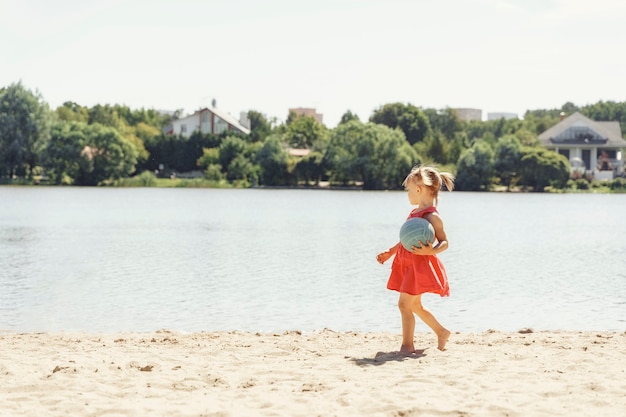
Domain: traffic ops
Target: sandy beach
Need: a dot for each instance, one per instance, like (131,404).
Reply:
(324,373)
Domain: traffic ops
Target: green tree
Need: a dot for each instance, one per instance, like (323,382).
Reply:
(507,159)
(539,123)
(241,169)
(105,156)
(348,116)
(106,115)
(375,154)
(492,130)
(291,117)
(188,150)
(177,152)
(272,159)
(342,151)
(304,132)
(145,131)
(72,112)
(130,134)
(607,111)
(213,172)
(62,154)
(130,124)
(569,108)
(230,148)
(137,126)
(527,138)
(407,117)
(393,159)
(25,121)
(260,128)
(161,149)
(210,156)
(310,167)
(133,117)
(445,121)
(435,147)
(542,167)
(458,145)
(476,130)
(475,168)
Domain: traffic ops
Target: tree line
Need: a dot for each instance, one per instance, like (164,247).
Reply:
(111,144)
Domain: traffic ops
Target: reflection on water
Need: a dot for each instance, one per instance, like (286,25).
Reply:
(95,259)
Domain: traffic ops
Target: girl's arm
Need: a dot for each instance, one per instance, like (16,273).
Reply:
(383,256)
(440,236)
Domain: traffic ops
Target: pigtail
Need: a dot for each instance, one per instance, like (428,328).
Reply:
(448,180)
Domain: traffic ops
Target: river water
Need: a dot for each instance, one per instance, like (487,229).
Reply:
(143,259)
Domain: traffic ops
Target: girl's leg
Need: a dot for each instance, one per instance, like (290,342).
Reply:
(427,317)
(405,304)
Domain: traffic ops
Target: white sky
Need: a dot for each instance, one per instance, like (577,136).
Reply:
(334,55)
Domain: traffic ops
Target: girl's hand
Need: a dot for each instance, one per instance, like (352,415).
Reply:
(426,249)
(383,257)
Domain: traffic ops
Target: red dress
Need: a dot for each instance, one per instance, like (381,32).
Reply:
(417,274)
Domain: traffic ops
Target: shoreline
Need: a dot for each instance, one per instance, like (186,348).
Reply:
(324,372)
(166,183)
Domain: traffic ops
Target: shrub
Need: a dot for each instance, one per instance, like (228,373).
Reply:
(581,184)
(146,179)
(618,184)
(214,172)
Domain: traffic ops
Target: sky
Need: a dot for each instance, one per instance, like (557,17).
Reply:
(331,55)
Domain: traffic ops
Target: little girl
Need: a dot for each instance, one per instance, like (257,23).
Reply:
(419,271)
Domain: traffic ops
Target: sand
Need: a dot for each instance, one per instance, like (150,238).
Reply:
(324,373)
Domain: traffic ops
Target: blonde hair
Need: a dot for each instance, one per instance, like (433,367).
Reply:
(431,178)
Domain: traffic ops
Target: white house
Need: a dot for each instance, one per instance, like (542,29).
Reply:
(207,120)
(595,147)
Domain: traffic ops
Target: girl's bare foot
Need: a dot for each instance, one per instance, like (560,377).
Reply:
(442,339)
(408,350)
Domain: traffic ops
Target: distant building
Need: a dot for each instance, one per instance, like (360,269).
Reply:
(594,147)
(207,120)
(301,111)
(501,115)
(469,114)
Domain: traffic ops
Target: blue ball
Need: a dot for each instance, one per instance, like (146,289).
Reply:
(415,230)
